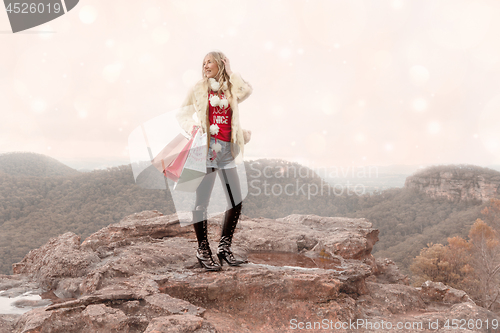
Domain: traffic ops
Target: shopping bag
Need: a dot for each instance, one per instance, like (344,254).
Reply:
(195,165)
(174,169)
(169,153)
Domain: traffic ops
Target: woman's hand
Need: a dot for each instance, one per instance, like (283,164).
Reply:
(227,65)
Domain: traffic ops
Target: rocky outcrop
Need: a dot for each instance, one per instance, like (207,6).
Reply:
(140,275)
(457,182)
(60,258)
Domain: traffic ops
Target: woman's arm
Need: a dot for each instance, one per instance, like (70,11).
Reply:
(241,89)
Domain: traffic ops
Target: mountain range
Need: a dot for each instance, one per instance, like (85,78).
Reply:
(41,198)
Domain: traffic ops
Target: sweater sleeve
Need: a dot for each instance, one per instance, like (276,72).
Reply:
(185,113)
(241,89)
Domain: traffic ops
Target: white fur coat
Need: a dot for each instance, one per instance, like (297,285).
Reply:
(197,103)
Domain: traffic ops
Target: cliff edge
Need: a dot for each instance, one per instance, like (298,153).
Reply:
(457,182)
(305,272)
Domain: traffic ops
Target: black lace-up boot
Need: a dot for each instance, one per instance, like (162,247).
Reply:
(203,254)
(224,252)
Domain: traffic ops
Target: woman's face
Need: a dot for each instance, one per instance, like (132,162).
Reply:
(210,66)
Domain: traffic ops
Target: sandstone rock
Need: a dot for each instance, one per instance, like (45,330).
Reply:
(16,285)
(339,237)
(457,182)
(180,324)
(7,323)
(102,319)
(39,320)
(395,298)
(139,258)
(60,258)
(163,304)
(111,310)
(439,292)
(68,288)
(153,224)
(11,281)
(386,271)
(141,275)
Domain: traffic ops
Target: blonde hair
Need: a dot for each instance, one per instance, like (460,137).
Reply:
(222,74)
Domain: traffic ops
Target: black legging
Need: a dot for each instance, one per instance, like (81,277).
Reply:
(230,183)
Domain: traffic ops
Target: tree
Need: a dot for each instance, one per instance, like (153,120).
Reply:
(491,214)
(448,264)
(485,249)
(471,265)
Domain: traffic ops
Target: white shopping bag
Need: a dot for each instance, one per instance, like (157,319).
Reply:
(196,165)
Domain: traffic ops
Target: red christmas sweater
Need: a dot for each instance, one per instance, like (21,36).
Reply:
(221,117)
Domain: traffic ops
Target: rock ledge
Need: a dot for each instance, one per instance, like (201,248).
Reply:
(140,275)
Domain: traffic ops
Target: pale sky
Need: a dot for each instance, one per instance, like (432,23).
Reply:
(335,82)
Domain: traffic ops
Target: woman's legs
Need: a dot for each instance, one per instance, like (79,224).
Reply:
(203,192)
(231,184)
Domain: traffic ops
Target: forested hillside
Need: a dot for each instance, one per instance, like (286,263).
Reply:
(32,164)
(408,220)
(34,208)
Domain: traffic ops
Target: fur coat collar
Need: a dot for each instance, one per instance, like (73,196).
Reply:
(196,103)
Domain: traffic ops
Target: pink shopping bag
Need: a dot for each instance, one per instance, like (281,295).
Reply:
(173,170)
(168,154)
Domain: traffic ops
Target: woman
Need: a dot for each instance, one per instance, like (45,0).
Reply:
(214,100)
